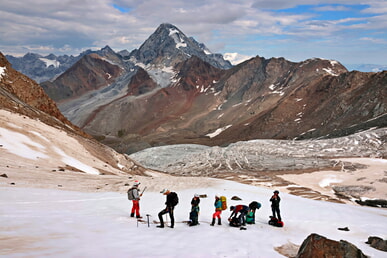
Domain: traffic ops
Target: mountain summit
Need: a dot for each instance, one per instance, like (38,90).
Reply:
(168,46)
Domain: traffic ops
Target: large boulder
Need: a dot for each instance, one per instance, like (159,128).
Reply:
(317,246)
(377,243)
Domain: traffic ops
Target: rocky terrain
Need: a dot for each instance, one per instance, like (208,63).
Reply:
(339,169)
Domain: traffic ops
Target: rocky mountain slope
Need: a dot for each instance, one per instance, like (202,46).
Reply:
(34,134)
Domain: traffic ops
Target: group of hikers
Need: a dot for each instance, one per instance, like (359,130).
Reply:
(240,214)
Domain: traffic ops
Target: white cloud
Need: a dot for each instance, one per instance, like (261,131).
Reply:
(236,58)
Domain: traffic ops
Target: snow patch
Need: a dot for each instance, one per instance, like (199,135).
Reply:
(328,180)
(76,163)
(330,71)
(2,71)
(21,145)
(218,131)
(49,62)
(173,33)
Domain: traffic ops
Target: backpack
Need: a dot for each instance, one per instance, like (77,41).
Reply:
(235,222)
(275,222)
(250,218)
(223,199)
(130,194)
(174,199)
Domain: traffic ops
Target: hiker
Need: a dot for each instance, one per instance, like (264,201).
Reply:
(250,216)
(275,200)
(172,201)
(242,211)
(194,214)
(218,211)
(134,195)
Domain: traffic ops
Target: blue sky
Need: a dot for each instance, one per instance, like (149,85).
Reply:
(354,33)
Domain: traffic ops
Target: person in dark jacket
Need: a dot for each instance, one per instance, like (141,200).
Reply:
(250,217)
(275,201)
(194,214)
(240,210)
(170,206)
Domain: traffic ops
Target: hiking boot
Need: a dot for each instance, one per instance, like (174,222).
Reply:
(139,217)
(160,226)
(132,215)
(219,222)
(213,222)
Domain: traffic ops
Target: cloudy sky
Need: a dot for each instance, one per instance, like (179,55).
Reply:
(352,32)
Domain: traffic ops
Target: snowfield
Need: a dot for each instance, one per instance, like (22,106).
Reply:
(43,222)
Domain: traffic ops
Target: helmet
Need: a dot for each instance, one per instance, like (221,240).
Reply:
(232,208)
(136,183)
(276,191)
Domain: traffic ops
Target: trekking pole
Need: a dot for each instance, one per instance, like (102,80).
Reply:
(147,217)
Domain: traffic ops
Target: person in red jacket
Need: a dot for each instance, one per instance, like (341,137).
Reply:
(242,211)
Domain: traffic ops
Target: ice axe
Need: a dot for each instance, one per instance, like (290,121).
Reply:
(143,191)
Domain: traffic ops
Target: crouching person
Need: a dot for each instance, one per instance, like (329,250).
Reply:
(239,212)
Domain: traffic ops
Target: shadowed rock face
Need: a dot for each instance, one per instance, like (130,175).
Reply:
(317,246)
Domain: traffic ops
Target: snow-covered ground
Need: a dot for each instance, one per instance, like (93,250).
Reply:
(45,222)
(41,217)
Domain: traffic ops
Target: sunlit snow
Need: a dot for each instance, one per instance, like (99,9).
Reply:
(218,131)
(2,71)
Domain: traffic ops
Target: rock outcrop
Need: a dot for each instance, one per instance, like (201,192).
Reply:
(317,246)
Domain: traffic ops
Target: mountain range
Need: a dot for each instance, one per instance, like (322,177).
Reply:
(172,90)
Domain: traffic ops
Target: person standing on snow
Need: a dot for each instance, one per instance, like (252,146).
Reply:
(135,192)
(275,201)
(172,201)
(194,214)
(242,211)
(218,211)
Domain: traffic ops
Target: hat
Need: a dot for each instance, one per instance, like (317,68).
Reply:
(276,191)
(196,195)
(164,191)
(136,183)
(232,208)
